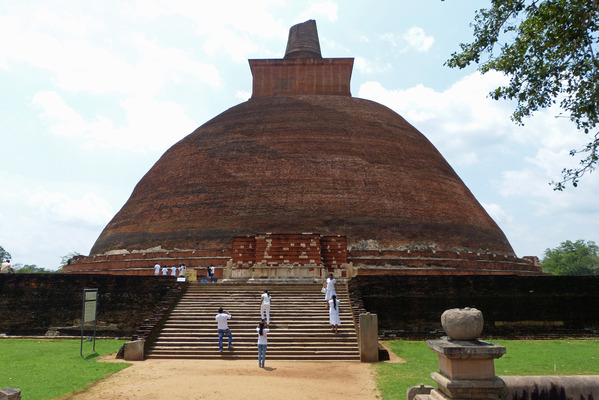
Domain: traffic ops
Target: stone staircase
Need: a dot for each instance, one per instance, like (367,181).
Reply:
(299,317)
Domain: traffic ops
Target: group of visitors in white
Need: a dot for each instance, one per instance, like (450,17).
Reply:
(174,270)
(263,328)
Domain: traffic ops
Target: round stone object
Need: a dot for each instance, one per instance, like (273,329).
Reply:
(462,323)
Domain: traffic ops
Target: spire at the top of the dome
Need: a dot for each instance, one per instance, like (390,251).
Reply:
(303,41)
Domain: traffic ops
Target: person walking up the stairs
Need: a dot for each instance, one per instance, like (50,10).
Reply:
(265,306)
(223,328)
(331,289)
(262,330)
(334,313)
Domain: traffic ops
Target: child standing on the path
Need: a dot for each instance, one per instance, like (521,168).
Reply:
(265,306)
(262,330)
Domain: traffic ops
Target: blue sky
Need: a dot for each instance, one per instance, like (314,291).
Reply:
(93,93)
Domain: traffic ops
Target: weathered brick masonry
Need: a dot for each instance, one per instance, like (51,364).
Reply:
(32,303)
(511,305)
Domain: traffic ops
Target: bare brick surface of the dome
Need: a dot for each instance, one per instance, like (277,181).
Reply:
(335,165)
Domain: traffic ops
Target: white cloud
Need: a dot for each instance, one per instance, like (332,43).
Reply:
(458,120)
(80,62)
(497,213)
(418,40)
(150,124)
(327,9)
(362,65)
(228,27)
(243,95)
(44,224)
(413,39)
(60,207)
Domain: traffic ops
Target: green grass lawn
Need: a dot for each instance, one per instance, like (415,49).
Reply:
(526,357)
(47,369)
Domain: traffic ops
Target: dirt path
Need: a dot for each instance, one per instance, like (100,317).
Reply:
(236,379)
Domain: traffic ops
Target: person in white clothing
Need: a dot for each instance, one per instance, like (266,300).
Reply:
(223,328)
(331,288)
(212,271)
(173,271)
(157,269)
(262,330)
(7,268)
(265,306)
(164,271)
(334,313)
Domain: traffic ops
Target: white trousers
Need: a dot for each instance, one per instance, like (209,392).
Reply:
(265,309)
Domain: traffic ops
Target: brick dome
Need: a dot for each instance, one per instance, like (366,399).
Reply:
(331,164)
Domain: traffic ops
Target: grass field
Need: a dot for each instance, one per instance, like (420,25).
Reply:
(47,369)
(527,357)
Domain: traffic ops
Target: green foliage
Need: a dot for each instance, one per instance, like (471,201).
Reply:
(64,260)
(524,357)
(548,48)
(572,258)
(4,255)
(30,269)
(48,369)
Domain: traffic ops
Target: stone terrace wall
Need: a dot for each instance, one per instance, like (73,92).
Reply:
(143,263)
(32,303)
(419,262)
(511,305)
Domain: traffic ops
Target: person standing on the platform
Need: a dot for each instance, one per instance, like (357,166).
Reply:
(157,269)
(331,288)
(262,330)
(173,270)
(164,271)
(265,306)
(334,313)
(7,267)
(212,271)
(223,328)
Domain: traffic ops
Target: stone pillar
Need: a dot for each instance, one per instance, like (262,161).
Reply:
(350,270)
(467,369)
(466,364)
(369,340)
(228,272)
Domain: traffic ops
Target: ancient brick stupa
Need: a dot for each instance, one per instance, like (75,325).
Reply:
(303,175)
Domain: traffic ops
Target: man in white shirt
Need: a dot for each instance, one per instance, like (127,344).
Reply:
(157,269)
(265,306)
(223,328)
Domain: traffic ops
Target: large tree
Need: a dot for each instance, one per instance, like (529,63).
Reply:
(548,48)
(4,255)
(572,258)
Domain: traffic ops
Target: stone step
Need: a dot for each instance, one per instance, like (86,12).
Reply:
(226,355)
(253,351)
(301,331)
